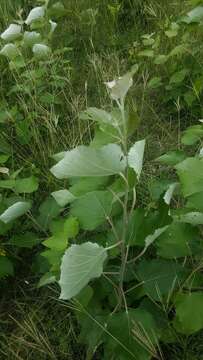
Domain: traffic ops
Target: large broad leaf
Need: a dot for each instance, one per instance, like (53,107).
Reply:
(178,240)
(190,172)
(92,209)
(135,156)
(15,211)
(12,33)
(6,267)
(80,264)
(84,161)
(160,278)
(189,313)
(35,14)
(126,331)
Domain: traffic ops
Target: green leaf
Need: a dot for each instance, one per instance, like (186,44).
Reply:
(172,157)
(98,115)
(155,82)
(191,217)
(80,264)
(178,50)
(46,279)
(31,38)
(195,201)
(178,77)
(41,51)
(49,209)
(189,313)
(13,32)
(192,135)
(10,51)
(27,185)
(92,209)
(6,267)
(146,53)
(145,228)
(35,14)
(160,277)
(88,184)
(190,173)
(178,240)
(195,15)
(118,88)
(126,330)
(15,211)
(63,230)
(161,59)
(4,158)
(135,157)
(63,197)
(85,161)
(27,240)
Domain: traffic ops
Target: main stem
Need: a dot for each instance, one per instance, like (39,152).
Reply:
(124,249)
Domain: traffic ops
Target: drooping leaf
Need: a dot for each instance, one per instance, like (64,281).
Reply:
(15,211)
(178,240)
(160,277)
(80,264)
(92,209)
(84,161)
(189,313)
(161,59)
(190,173)
(13,32)
(6,267)
(135,156)
(35,14)
(154,82)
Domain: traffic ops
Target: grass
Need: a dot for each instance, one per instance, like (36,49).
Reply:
(34,324)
